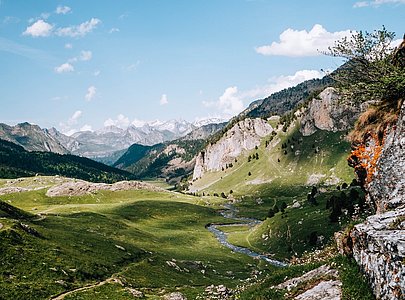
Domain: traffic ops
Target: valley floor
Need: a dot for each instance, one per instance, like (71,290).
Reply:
(124,244)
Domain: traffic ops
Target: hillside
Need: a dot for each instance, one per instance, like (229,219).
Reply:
(171,161)
(15,162)
(287,99)
(278,167)
(31,138)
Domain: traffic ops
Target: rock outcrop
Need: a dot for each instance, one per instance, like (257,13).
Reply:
(379,242)
(243,136)
(327,113)
(81,187)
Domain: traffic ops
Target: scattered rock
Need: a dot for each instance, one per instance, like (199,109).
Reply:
(174,296)
(219,292)
(325,290)
(135,293)
(1,226)
(322,271)
(120,247)
(81,187)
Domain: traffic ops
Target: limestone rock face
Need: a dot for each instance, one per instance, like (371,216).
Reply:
(379,248)
(244,135)
(328,113)
(379,242)
(387,189)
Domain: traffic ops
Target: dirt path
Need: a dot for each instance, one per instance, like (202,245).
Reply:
(87,287)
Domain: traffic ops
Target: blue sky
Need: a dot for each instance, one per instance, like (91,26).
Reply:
(83,64)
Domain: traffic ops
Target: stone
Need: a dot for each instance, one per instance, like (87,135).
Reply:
(328,113)
(378,244)
(325,290)
(81,187)
(322,271)
(174,296)
(243,136)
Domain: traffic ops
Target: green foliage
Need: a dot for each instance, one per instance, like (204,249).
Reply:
(372,71)
(17,162)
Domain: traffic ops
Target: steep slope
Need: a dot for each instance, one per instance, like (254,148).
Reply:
(287,99)
(305,148)
(378,244)
(277,172)
(31,137)
(17,162)
(172,161)
(244,135)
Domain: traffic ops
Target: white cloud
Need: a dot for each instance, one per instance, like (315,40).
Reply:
(86,127)
(91,93)
(79,30)
(68,46)
(10,20)
(303,43)
(63,10)
(360,4)
(164,100)
(121,121)
(229,104)
(112,30)
(96,73)
(376,3)
(75,117)
(39,29)
(85,55)
(64,68)
(68,128)
(233,101)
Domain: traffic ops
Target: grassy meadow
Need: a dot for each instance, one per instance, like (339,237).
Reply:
(152,241)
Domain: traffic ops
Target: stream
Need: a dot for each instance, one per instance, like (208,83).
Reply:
(230,213)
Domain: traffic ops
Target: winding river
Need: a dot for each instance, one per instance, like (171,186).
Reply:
(230,213)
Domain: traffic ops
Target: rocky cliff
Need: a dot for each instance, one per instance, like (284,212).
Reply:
(327,112)
(244,135)
(379,242)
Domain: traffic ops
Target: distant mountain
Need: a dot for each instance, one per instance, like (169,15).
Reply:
(204,131)
(108,143)
(32,138)
(15,162)
(172,160)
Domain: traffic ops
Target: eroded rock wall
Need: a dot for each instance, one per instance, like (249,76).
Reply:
(327,112)
(243,136)
(379,242)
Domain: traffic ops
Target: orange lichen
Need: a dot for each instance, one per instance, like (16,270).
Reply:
(364,157)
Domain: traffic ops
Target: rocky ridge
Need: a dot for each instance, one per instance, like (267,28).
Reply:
(31,138)
(326,112)
(243,136)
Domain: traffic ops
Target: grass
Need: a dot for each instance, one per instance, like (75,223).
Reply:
(276,178)
(152,241)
